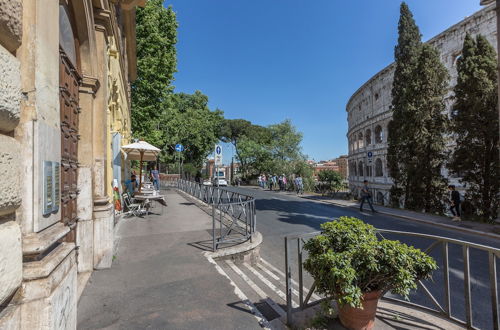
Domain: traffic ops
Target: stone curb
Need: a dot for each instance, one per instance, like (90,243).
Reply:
(251,244)
(429,222)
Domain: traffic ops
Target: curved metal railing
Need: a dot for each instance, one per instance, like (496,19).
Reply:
(233,214)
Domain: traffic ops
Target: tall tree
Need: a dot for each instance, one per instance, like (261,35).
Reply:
(475,126)
(399,140)
(416,150)
(156,35)
(188,121)
(427,184)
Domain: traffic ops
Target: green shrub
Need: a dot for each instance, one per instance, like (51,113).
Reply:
(348,260)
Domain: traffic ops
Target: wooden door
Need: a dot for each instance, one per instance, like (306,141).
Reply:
(69,83)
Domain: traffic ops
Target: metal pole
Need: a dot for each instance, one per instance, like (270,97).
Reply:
(468,302)
(446,274)
(301,283)
(213,228)
(494,289)
(288,273)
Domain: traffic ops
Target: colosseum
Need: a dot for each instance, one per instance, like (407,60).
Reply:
(369,108)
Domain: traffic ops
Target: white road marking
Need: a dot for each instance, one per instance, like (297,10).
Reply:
(268,272)
(276,270)
(256,288)
(248,304)
(264,280)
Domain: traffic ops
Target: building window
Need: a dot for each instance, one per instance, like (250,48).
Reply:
(378,167)
(368,137)
(360,140)
(368,170)
(378,134)
(376,96)
(380,198)
(360,168)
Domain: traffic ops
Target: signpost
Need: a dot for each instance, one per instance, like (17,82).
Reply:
(218,161)
(370,156)
(179,148)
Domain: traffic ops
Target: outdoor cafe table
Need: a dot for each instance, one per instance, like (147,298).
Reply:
(147,198)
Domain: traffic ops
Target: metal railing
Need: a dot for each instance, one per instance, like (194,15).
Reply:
(233,213)
(443,309)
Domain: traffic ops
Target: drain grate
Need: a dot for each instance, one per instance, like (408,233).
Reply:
(266,310)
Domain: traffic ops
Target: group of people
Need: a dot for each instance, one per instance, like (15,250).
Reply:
(275,182)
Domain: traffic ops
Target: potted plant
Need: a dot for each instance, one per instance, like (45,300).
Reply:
(351,265)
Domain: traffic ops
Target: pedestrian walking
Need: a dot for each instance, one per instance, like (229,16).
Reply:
(366,196)
(155,175)
(264,181)
(454,200)
(285,182)
(299,184)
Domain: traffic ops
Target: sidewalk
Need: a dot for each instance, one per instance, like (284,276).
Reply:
(159,280)
(477,228)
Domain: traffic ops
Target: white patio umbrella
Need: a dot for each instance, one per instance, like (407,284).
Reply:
(141,151)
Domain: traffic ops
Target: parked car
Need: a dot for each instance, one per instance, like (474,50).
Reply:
(222,182)
(207,182)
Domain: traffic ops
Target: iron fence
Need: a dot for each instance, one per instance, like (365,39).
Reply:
(233,214)
(441,301)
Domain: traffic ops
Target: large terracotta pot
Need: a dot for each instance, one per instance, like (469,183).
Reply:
(361,319)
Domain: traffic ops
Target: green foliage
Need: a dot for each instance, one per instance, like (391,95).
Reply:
(188,120)
(475,126)
(416,145)
(347,260)
(156,35)
(330,181)
(274,149)
(249,142)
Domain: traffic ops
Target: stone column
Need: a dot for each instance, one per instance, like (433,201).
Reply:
(103,208)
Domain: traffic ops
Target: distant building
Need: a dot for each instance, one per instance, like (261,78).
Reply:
(342,165)
(325,165)
(369,113)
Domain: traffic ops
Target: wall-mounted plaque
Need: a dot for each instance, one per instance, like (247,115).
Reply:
(51,190)
(57,190)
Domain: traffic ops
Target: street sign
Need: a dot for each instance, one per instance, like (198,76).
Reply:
(179,147)
(218,155)
(370,154)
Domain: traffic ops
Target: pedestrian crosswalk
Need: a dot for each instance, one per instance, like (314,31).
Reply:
(264,286)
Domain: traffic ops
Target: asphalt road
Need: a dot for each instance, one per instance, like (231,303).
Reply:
(279,215)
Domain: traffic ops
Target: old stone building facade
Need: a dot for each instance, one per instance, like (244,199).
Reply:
(65,69)
(368,109)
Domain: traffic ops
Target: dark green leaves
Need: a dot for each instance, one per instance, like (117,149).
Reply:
(347,260)
(416,143)
(475,128)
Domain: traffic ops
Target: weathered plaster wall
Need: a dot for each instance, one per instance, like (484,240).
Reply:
(10,194)
(369,107)
(11,24)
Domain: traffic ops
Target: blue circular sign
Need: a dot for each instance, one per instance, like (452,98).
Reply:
(179,147)
(218,150)
(370,154)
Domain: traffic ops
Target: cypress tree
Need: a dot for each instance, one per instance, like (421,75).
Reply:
(475,126)
(416,146)
(430,123)
(400,144)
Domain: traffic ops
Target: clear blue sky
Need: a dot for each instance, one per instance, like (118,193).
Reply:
(266,61)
